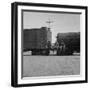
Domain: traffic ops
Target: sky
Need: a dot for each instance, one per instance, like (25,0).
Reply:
(61,22)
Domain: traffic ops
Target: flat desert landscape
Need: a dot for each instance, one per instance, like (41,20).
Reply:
(35,66)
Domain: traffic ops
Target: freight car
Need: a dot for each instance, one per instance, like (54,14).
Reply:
(71,43)
(37,40)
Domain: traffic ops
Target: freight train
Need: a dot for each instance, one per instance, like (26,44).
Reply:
(38,41)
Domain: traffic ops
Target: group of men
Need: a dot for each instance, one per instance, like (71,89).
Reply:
(59,48)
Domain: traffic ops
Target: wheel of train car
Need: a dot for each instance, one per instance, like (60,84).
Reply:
(33,52)
(68,52)
(42,52)
(47,51)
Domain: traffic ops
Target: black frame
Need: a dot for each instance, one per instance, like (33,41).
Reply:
(14,43)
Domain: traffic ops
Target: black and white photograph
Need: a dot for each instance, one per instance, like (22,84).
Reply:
(51,44)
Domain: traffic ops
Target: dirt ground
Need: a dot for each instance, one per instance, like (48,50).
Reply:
(34,66)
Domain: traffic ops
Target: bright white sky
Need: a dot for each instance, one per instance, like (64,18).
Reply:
(62,22)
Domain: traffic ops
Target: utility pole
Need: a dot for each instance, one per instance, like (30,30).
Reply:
(49,22)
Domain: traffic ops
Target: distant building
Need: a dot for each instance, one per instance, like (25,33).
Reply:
(36,38)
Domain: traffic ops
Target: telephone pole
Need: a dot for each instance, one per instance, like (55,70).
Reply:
(49,23)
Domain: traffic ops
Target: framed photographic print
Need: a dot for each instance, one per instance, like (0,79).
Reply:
(49,44)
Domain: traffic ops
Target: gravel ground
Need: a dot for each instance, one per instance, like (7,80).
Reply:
(34,66)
